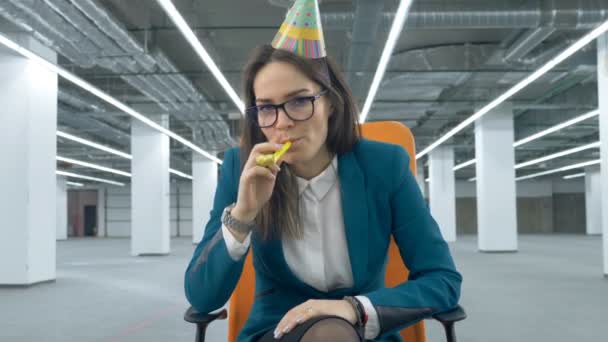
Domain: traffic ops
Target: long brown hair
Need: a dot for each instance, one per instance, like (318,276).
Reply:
(281,214)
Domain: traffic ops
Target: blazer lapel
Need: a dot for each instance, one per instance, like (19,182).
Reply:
(355,212)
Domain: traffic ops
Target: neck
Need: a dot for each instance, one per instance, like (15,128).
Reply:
(314,167)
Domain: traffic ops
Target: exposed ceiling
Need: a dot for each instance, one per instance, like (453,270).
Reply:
(453,57)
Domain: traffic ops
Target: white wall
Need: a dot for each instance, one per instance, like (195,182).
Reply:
(530,188)
(62,209)
(118,210)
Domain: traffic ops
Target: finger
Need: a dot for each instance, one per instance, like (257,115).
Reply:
(261,172)
(275,169)
(261,148)
(295,317)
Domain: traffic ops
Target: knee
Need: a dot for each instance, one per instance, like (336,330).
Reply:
(331,329)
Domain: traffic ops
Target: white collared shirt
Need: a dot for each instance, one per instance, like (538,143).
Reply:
(319,259)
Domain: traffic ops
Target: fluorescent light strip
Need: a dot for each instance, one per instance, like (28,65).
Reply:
(558,154)
(102,95)
(472,179)
(542,134)
(74,184)
(181,174)
(75,175)
(589,37)
(110,150)
(93,166)
(465,164)
(428,180)
(576,175)
(391,41)
(182,25)
(94,145)
(557,127)
(565,168)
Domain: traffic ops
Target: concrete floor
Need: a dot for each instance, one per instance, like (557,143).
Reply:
(551,290)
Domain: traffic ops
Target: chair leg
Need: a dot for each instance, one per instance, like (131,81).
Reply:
(201,329)
(450,333)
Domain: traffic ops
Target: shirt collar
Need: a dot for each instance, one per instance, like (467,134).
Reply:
(320,184)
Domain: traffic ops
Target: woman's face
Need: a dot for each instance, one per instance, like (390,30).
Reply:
(278,82)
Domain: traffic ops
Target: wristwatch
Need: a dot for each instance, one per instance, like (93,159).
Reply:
(239,226)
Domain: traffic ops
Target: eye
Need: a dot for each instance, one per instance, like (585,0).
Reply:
(300,101)
(265,108)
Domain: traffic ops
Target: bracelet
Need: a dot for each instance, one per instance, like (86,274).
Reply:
(229,221)
(359,310)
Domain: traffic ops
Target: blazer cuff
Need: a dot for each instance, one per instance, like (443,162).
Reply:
(372,328)
(236,249)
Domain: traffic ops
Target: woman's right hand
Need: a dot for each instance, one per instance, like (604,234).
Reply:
(256,184)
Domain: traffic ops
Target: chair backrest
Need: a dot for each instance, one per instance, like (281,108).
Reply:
(396,272)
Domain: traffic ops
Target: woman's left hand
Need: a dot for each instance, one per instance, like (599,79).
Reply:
(314,308)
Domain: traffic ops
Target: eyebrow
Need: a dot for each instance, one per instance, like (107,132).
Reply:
(290,94)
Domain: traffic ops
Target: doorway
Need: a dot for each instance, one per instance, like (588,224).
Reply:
(90,220)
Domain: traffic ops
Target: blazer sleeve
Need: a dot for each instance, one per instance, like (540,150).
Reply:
(434,283)
(212,274)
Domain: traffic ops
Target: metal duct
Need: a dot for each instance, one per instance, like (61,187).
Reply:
(526,43)
(449,14)
(52,37)
(114,29)
(365,31)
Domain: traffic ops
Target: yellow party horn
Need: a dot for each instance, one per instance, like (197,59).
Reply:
(267,160)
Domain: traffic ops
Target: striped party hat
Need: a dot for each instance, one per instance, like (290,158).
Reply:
(301,32)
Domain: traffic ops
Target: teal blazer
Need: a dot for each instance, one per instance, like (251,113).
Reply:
(380,198)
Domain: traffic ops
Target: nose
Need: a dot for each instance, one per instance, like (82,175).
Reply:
(283,121)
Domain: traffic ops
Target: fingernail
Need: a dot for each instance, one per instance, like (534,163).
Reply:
(276,334)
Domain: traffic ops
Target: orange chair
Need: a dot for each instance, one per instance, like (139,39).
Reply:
(396,272)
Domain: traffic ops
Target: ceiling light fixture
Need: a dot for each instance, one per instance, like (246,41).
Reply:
(93,144)
(111,150)
(391,41)
(558,155)
(589,37)
(465,164)
(75,175)
(576,175)
(541,134)
(102,95)
(561,169)
(557,127)
(93,166)
(187,32)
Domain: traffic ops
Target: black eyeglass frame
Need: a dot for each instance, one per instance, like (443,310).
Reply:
(252,112)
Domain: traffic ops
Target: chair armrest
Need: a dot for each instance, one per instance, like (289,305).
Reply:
(193,316)
(454,315)
(448,318)
(202,320)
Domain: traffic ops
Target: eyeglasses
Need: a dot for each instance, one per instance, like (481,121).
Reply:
(297,109)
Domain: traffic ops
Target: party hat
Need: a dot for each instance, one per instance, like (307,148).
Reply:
(301,32)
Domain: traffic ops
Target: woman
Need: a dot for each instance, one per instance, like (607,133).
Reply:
(320,222)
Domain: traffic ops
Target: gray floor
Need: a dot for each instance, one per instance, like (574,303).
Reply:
(551,290)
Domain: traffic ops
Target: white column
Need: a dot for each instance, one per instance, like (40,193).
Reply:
(602,81)
(101,211)
(496,194)
(420,179)
(62,209)
(593,201)
(204,172)
(150,191)
(28,118)
(442,194)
